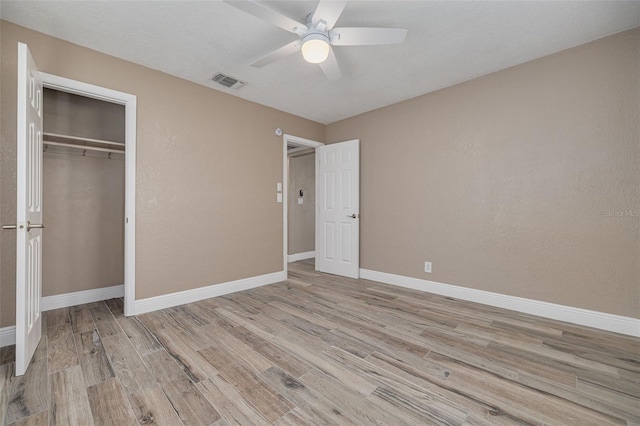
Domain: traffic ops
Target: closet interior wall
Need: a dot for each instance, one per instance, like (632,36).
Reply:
(83,196)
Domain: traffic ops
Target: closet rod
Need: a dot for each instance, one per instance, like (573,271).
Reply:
(83,147)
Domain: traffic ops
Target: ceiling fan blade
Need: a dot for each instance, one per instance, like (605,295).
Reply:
(366,36)
(280,53)
(329,12)
(330,67)
(259,10)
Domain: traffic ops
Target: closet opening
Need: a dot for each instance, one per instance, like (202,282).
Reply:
(88,169)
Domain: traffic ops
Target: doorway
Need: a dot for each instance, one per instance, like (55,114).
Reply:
(301,204)
(73,87)
(337,206)
(300,150)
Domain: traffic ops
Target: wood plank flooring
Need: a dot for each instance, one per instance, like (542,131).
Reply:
(319,349)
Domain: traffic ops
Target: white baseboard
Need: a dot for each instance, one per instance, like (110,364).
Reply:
(7,336)
(180,298)
(301,256)
(595,319)
(81,297)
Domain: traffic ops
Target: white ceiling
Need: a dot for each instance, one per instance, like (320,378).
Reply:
(448,42)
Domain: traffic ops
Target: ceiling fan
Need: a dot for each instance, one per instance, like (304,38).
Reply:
(318,34)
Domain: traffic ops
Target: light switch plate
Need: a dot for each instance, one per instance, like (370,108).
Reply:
(279,186)
(279,197)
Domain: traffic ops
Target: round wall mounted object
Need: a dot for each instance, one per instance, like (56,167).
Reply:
(278,131)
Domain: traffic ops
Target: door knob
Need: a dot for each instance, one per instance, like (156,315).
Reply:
(353,216)
(30,226)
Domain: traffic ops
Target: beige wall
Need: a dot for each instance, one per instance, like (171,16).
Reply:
(206,170)
(69,114)
(302,226)
(505,182)
(84,215)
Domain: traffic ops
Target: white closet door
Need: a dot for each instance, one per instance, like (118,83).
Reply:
(29,210)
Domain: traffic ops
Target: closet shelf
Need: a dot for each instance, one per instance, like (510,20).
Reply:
(66,141)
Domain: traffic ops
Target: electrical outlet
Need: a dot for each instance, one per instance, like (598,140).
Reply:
(427,267)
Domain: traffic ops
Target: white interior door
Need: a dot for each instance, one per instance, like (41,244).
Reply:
(338,205)
(29,210)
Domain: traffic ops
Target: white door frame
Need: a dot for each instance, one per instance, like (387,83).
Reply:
(286,139)
(130,106)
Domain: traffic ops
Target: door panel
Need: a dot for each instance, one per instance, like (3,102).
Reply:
(338,204)
(29,210)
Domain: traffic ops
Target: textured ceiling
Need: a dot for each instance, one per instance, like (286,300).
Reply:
(448,42)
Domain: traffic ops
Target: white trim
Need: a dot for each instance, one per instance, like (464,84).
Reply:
(130,103)
(595,319)
(84,89)
(188,296)
(49,303)
(301,141)
(286,139)
(7,336)
(130,205)
(301,256)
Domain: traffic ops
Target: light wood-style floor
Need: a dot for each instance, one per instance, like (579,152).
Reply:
(320,349)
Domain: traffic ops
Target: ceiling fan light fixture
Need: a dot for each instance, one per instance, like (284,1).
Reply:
(315,48)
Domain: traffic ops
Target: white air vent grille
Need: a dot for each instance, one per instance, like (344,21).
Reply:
(226,81)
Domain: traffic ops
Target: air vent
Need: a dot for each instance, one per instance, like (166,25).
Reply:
(226,81)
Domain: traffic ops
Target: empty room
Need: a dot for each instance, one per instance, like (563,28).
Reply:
(320,212)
